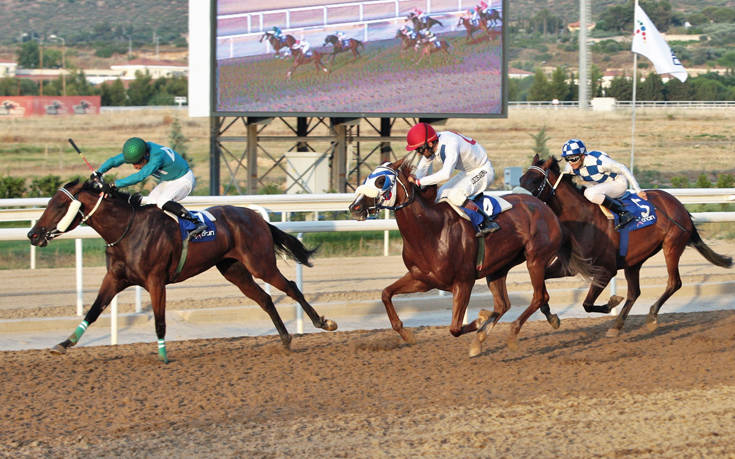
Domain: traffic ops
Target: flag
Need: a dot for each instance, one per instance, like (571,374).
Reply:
(648,42)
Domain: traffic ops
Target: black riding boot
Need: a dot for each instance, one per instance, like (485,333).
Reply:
(179,210)
(624,217)
(487,226)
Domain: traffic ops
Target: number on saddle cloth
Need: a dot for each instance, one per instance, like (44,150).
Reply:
(207,235)
(491,205)
(645,215)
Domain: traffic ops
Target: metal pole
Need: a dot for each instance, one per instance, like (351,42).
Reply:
(386,236)
(138,298)
(80,296)
(113,321)
(300,286)
(33,249)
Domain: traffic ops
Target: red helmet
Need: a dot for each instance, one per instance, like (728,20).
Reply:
(420,134)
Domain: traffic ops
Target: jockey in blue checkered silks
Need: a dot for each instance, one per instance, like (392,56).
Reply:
(611,179)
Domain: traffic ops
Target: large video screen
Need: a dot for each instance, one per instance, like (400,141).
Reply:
(361,58)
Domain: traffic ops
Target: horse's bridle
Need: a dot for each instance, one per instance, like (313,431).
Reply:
(540,189)
(75,207)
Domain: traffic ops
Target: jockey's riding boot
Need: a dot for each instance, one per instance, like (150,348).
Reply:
(624,217)
(487,225)
(179,210)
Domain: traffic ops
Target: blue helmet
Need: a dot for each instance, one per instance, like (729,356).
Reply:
(573,147)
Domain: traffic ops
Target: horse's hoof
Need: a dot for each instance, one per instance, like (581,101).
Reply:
(329,325)
(408,336)
(475,347)
(614,301)
(484,314)
(58,350)
(513,344)
(612,332)
(652,324)
(554,321)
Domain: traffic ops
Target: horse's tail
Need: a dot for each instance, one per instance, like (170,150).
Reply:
(709,254)
(574,263)
(289,245)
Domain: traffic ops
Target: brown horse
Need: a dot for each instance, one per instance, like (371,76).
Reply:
(427,22)
(144,247)
(427,48)
(488,33)
(299,59)
(491,18)
(338,46)
(278,43)
(593,238)
(407,41)
(440,249)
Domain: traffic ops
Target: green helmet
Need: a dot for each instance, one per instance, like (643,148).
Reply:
(134,150)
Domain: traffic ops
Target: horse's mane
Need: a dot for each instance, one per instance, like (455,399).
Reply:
(112,192)
(569,179)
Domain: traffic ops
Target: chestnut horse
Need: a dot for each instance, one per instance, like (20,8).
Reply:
(299,59)
(144,247)
(488,34)
(427,48)
(593,238)
(440,249)
(278,43)
(338,47)
(407,42)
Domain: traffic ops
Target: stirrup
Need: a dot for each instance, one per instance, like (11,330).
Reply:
(623,221)
(196,231)
(487,227)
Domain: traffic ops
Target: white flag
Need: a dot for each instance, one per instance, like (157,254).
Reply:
(648,42)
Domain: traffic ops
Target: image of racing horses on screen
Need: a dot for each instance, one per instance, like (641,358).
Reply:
(440,250)
(279,42)
(607,250)
(421,21)
(477,25)
(342,45)
(145,247)
(300,58)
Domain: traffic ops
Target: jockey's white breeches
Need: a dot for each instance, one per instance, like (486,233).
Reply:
(172,190)
(465,184)
(613,187)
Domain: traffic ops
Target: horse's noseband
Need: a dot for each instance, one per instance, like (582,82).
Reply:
(542,186)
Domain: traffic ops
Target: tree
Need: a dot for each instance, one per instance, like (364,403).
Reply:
(676,90)
(29,55)
(558,87)
(539,90)
(113,94)
(620,88)
(141,91)
(595,81)
(652,88)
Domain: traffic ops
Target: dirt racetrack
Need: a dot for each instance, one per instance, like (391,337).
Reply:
(566,393)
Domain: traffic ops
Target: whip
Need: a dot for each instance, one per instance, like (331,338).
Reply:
(81,154)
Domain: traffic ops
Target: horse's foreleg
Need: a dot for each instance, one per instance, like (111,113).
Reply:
(460,299)
(501,305)
(540,297)
(110,287)
(406,284)
(236,273)
(157,290)
(672,254)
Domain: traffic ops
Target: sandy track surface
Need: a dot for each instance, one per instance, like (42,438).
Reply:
(564,393)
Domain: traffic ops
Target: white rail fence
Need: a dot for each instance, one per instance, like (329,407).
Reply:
(30,209)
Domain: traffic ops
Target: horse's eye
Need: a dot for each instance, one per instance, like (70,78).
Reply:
(380,181)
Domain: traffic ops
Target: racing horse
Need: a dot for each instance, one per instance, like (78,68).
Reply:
(278,43)
(427,48)
(407,41)
(299,59)
(488,34)
(145,248)
(338,46)
(594,239)
(440,250)
(426,23)
(491,18)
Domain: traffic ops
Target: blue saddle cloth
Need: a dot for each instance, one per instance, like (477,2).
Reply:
(207,235)
(487,203)
(645,215)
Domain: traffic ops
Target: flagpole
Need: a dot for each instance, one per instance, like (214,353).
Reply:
(635,79)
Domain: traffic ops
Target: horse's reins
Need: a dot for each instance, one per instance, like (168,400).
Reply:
(542,186)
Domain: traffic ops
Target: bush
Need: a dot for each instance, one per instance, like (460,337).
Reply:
(45,186)
(12,187)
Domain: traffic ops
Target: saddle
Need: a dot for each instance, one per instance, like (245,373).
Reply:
(491,205)
(645,215)
(185,225)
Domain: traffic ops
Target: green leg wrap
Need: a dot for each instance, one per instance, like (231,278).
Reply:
(81,328)
(162,351)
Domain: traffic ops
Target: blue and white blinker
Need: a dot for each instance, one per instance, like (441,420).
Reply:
(384,195)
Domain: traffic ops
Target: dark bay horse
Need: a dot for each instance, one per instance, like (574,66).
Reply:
(426,23)
(277,43)
(299,59)
(145,247)
(338,46)
(440,249)
(593,238)
(407,42)
(491,18)
(488,34)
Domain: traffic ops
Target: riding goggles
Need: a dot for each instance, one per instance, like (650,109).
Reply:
(572,159)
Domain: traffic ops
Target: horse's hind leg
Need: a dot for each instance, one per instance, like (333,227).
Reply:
(110,287)
(632,277)
(540,297)
(157,291)
(501,305)
(276,279)
(235,272)
(672,254)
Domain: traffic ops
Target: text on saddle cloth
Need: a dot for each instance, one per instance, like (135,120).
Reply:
(491,205)
(645,215)
(209,234)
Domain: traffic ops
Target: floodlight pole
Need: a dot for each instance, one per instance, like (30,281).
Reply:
(214,154)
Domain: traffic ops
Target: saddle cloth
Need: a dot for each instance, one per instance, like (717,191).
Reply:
(207,235)
(645,215)
(491,205)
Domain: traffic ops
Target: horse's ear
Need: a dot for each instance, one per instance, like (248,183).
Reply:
(535,159)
